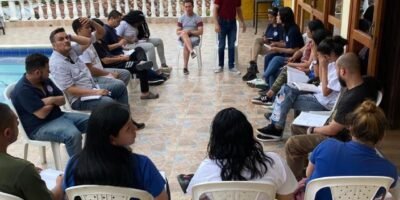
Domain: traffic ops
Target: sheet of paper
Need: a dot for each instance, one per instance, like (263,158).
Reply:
(295,75)
(304,87)
(310,119)
(91,97)
(49,176)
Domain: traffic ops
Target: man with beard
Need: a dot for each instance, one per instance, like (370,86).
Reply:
(37,101)
(355,90)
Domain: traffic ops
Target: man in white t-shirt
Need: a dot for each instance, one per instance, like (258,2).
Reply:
(92,60)
(190,28)
(289,97)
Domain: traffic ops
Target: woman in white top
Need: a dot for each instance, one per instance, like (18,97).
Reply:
(235,155)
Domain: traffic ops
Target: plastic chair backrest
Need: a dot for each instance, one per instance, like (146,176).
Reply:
(102,192)
(7,96)
(234,190)
(379,98)
(348,187)
(5,196)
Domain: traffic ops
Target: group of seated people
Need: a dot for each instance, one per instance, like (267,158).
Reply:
(93,73)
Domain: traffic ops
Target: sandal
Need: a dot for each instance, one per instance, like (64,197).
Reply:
(184,180)
(149,96)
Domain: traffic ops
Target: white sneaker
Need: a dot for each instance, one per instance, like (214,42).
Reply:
(218,70)
(235,71)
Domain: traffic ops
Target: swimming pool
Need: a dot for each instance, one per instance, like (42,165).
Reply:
(12,60)
(11,70)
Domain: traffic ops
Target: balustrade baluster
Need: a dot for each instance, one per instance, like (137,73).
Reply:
(161,2)
(101,9)
(203,8)
(49,11)
(13,10)
(109,7)
(144,8)
(126,8)
(58,11)
(135,7)
(66,10)
(211,8)
(92,9)
(152,8)
(178,8)
(83,8)
(195,7)
(74,9)
(169,8)
(41,13)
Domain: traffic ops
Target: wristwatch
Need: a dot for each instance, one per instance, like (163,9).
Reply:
(310,130)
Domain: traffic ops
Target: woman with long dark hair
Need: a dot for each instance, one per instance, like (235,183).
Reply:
(234,155)
(107,159)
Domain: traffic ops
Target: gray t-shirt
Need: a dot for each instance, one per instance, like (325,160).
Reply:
(187,22)
(67,74)
(127,31)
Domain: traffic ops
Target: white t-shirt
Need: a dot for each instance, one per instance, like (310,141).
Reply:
(90,54)
(279,174)
(127,31)
(333,84)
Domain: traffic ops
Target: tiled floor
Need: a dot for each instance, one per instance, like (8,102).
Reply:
(177,130)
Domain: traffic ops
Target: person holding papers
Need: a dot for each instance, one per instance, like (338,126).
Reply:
(19,177)
(74,78)
(328,52)
(355,90)
(37,101)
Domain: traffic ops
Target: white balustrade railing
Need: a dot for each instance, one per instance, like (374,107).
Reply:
(15,10)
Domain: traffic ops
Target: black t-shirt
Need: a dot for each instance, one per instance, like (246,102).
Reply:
(293,38)
(351,99)
(103,52)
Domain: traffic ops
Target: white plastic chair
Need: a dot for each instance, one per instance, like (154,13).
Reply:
(55,146)
(234,190)
(349,187)
(5,196)
(226,46)
(196,48)
(101,192)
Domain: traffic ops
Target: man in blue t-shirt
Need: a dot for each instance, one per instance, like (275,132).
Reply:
(261,46)
(37,101)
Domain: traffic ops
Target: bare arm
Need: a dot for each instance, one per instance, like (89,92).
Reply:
(303,66)
(44,111)
(57,191)
(84,42)
(76,91)
(114,59)
(178,30)
(323,75)
(162,196)
(284,50)
(96,71)
(119,44)
(216,23)
(54,100)
(197,32)
(331,129)
(310,169)
(240,16)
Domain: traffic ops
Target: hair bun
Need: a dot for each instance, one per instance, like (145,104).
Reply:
(368,106)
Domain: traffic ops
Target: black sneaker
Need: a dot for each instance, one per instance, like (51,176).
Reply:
(268,116)
(249,76)
(270,131)
(262,100)
(263,138)
(185,71)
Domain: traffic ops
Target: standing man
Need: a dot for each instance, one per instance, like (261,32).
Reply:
(190,28)
(225,25)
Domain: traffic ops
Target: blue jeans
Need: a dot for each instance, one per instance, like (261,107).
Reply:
(123,74)
(228,30)
(272,66)
(67,129)
(288,98)
(118,93)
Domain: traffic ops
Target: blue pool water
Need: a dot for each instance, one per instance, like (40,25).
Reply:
(11,70)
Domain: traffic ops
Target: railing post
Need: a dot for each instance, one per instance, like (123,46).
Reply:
(211,8)
(169,8)
(92,9)
(144,8)
(203,8)
(33,17)
(49,11)
(126,9)
(195,7)
(101,9)
(161,2)
(74,9)
(66,10)
(41,13)
(135,7)
(58,11)
(118,5)
(13,13)
(109,8)
(1,11)
(21,6)
(178,8)
(83,9)
(152,8)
